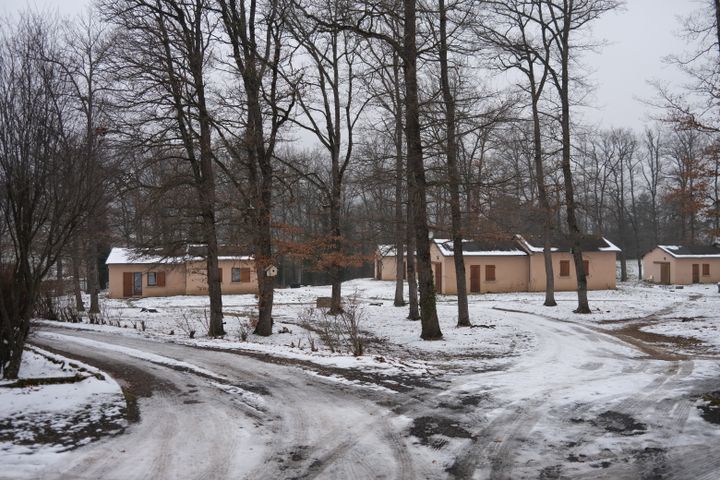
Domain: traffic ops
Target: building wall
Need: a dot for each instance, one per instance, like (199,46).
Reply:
(184,279)
(174,279)
(511,272)
(517,273)
(651,265)
(680,268)
(197,277)
(601,265)
(387,268)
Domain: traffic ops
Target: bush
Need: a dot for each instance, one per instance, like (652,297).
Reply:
(338,332)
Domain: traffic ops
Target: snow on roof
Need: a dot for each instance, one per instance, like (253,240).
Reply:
(610,248)
(139,257)
(587,243)
(135,256)
(474,248)
(387,250)
(691,251)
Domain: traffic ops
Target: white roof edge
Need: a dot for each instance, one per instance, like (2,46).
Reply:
(669,250)
(482,253)
(610,248)
(131,256)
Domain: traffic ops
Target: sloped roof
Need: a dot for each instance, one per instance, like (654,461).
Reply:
(136,256)
(692,251)
(588,243)
(478,248)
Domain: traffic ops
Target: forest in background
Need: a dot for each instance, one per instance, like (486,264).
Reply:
(310,131)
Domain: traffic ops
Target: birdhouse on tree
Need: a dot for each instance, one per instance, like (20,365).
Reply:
(271,271)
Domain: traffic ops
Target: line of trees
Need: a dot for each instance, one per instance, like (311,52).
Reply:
(309,131)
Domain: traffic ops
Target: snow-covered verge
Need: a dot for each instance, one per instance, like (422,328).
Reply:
(393,343)
(56,405)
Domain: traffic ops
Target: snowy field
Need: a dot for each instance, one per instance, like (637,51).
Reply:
(628,391)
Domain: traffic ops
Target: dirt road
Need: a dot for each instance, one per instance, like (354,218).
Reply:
(582,404)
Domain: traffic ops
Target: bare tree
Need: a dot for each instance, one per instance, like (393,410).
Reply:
(163,59)
(47,186)
(362,21)
(84,59)
(255,35)
(519,48)
(331,108)
(560,21)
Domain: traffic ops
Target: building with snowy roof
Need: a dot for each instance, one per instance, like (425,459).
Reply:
(155,273)
(682,264)
(511,264)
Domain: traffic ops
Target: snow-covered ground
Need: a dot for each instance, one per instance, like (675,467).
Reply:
(528,392)
(690,311)
(55,405)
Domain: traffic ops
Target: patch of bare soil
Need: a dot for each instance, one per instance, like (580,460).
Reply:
(434,431)
(67,431)
(660,347)
(710,409)
(617,422)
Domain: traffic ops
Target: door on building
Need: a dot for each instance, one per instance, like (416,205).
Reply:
(475,278)
(127,284)
(665,273)
(696,273)
(438,276)
(132,284)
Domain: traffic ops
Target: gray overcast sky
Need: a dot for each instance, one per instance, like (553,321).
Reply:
(638,37)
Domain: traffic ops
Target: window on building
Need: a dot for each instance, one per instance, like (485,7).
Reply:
(586,266)
(706,269)
(564,268)
(489,273)
(240,274)
(156,279)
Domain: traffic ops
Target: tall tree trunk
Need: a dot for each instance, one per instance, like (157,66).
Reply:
(453,175)
(570,207)
(400,222)
(59,277)
(413,309)
(263,205)
(428,308)
(335,269)
(75,265)
(93,280)
(548,220)
(208,200)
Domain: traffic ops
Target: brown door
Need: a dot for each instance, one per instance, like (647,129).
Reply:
(474,278)
(378,270)
(665,273)
(127,284)
(438,277)
(696,273)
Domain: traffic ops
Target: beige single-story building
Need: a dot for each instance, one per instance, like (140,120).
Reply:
(511,265)
(135,273)
(599,256)
(386,263)
(490,267)
(682,264)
